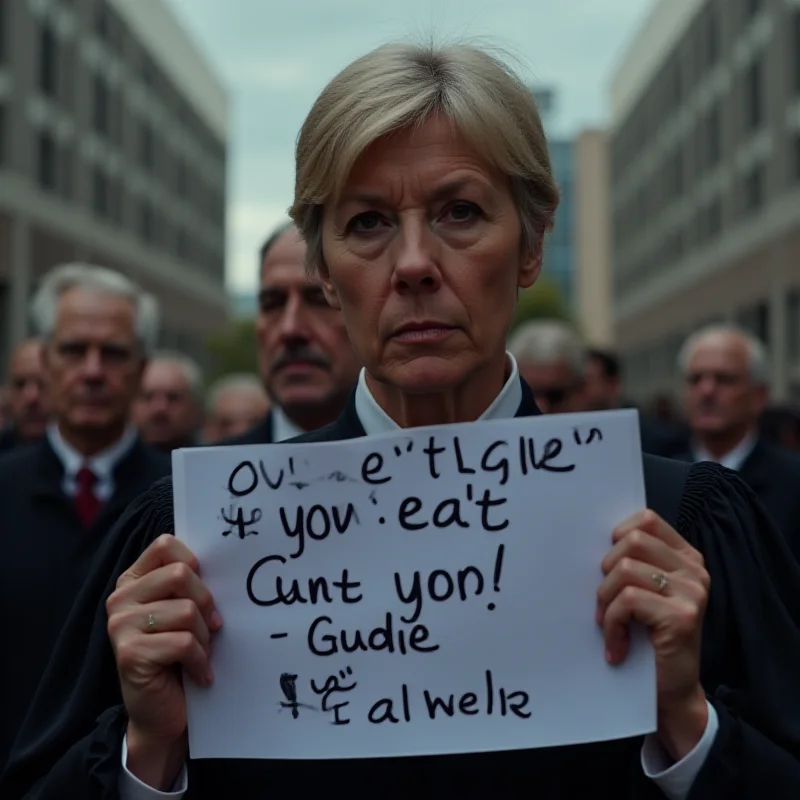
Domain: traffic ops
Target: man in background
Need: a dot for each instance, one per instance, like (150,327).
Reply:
(61,495)
(168,411)
(234,405)
(725,392)
(306,361)
(27,415)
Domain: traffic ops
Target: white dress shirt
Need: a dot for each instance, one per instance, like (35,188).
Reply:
(102,464)
(674,779)
(282,427)
(735,458)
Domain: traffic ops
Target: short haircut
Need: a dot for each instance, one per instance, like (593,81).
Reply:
(61,279)
(188,366)
(276,234)
(399,86)
(609,362)
(757,362)
(242,381)
(545,342)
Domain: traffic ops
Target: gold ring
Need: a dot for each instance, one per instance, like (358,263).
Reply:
(661,581)
(151,623)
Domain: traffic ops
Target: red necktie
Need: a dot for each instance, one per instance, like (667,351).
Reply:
(86,502)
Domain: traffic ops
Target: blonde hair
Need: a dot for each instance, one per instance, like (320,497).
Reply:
(402,85)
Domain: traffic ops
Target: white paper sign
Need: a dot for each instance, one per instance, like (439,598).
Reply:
(431,591)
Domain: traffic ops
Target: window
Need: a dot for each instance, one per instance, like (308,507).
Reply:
(797,50)
(47,162)
(115,200)
(753,97)
(48,60)
(101,106)
(754,189)
(4,33)
(714,143)
(67,165)
(4,155)
(146,148)
(100,193)
(146,221)
(714,218)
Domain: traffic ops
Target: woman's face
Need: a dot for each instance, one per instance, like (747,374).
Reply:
(423,254)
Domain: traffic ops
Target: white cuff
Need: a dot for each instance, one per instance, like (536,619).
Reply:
(675,779)
(131,788)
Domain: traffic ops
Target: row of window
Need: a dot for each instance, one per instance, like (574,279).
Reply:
(666,94)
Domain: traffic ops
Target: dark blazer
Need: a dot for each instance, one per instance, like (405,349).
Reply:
(259,434)
(46,556)
(74,750)
(8,439)
(774,475)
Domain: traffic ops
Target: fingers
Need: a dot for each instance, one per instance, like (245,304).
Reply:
(164,550)
(167,615)
(677,618)
(137,654)
(649,522)
(626,572)
(640,545)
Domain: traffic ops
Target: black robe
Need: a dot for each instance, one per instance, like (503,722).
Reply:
(46,556)
(751,673)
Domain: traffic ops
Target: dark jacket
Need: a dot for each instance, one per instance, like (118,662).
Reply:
(46,557)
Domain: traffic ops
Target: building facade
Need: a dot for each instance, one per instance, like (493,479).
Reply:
(112,150)
(706,184)
(559,250)
(592,277)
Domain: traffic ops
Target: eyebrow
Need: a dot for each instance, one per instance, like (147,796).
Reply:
(443,192)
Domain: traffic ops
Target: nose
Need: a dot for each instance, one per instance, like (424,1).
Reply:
(293,322)
(416,270)
(32,392)
(92,366)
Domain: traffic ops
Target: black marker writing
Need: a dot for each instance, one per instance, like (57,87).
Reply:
(317,523)
(288,684)
(323,641)
(332,687)
(240,523)
(451,511)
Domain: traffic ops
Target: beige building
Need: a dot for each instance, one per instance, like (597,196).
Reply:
(113,140)
(592,275)
(705,149)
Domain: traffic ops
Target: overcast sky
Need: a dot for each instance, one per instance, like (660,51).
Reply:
(274,56)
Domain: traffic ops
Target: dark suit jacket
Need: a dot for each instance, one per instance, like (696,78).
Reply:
(260,434)
(774,475)
(8,439)
(46,556)
(754,756)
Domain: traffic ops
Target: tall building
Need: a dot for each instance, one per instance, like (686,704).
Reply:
(558,249)
(592,277)
(112,150)
(706,184)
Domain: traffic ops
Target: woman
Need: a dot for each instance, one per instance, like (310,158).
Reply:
(423,191)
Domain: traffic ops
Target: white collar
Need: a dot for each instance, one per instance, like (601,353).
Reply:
(733,459)
(375,420)
(282,427)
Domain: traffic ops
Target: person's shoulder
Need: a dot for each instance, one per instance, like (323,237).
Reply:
(19,463)
(780,458)
(327,433)
(258,434)
(156,461)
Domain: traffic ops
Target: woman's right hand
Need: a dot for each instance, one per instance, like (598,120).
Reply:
(160,618)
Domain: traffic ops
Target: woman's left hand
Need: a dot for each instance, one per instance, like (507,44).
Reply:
(655,577)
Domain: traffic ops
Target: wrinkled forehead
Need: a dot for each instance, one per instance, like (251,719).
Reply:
(720,352)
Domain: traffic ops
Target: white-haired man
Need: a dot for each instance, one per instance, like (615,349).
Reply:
(169,409)
(61,496)
(551,358)
(725,391)
(235,405)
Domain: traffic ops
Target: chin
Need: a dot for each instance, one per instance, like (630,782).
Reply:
(302,395)
(428,375)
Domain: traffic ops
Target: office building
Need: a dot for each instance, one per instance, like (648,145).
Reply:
(113,151)
(592,277)
(706,184)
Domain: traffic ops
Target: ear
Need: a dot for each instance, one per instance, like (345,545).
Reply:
(530,265)
(328,289)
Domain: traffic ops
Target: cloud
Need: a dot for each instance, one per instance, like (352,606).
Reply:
(249,224)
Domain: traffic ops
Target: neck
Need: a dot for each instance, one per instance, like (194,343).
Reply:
(463,403)
(90,443)
(720,444)
(311,417)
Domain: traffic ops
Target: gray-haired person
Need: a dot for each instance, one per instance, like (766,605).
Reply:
(62,495)
(424,189)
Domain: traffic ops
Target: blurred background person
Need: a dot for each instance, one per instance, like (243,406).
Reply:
(781,426)
(234,405)
(5,406)
(306,361)
(26,414)
(62,495)
(603,392)
(552,360)
(169,409)
(725,377)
